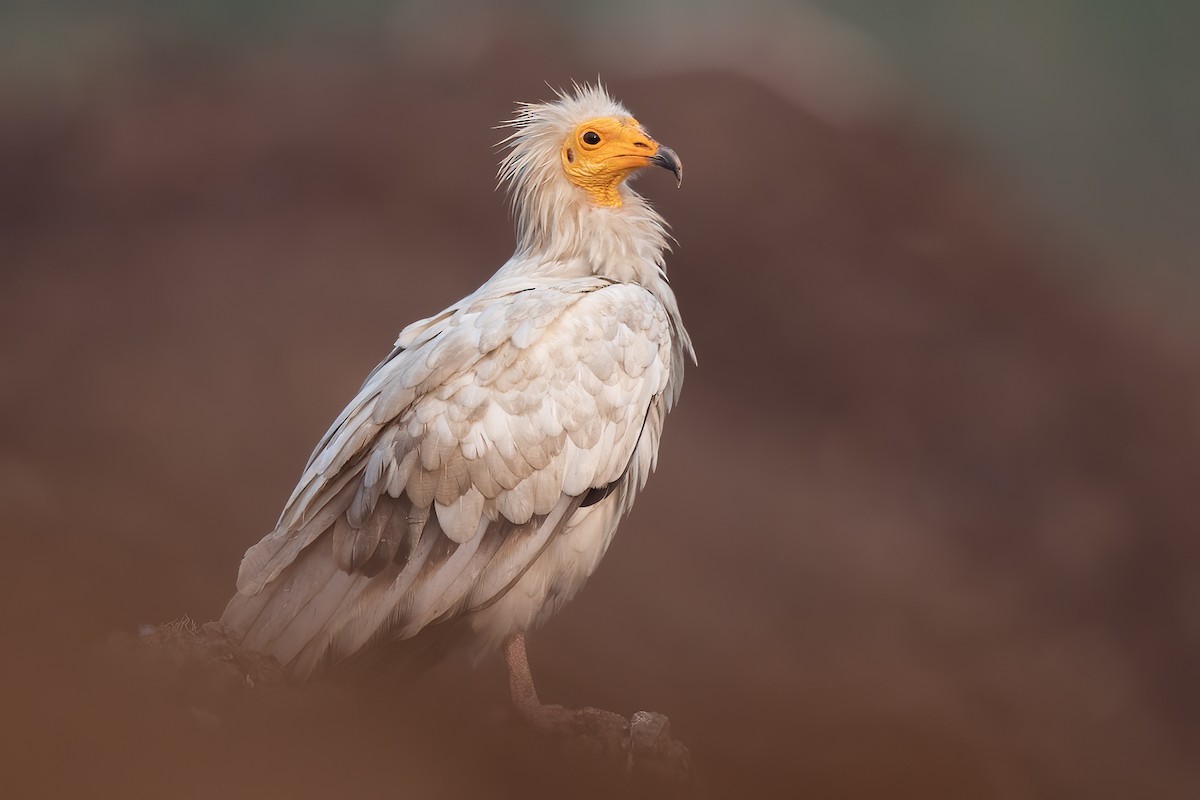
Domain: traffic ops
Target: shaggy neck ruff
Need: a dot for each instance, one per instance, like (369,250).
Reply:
(560,229)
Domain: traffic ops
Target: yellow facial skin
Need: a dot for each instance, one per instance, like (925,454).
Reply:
(602,152)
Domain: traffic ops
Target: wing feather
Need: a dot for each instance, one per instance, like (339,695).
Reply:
(454,467)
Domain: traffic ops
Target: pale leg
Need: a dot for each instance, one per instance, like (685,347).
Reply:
(550,717)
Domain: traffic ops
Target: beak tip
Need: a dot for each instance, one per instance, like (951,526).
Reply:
(666,158)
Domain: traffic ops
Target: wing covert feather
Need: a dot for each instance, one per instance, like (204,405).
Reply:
(498,414)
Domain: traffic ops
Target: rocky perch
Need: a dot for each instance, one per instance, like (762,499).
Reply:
(204,673)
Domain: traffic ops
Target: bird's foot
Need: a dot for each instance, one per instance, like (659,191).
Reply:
(589,722)
(641,744)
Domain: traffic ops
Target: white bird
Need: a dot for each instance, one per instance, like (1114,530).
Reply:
(475,481)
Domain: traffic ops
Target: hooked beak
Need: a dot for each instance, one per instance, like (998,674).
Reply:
(666,158)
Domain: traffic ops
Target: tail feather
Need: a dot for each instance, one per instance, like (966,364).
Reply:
(314,613)
(266,561)
(261,616)
(320,641)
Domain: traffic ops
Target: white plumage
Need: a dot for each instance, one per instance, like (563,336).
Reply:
(478,476)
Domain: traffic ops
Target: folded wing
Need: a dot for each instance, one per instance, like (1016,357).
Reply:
(455,466)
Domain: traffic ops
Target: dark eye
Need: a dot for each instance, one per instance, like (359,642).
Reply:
(591,137)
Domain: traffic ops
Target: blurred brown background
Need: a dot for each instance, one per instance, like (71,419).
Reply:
(924,525)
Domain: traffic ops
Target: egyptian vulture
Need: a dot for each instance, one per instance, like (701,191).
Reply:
(475,481)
